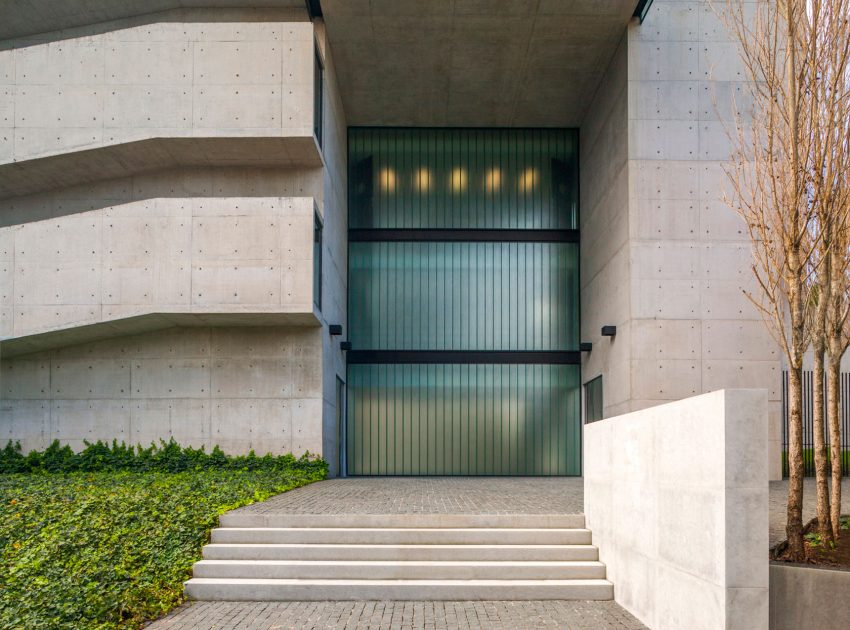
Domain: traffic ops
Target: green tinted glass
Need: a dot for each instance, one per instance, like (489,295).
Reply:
(464,420)
(474,178)
(463,296)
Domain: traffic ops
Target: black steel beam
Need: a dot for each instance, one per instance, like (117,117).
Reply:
(459,235)
(496,357)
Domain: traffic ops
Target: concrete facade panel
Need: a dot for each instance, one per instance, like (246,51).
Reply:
(154,255)
(219,75)
(691,326)
(180,382)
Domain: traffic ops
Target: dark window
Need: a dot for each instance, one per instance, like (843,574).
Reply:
(318,96)
(593,400)
(317,261)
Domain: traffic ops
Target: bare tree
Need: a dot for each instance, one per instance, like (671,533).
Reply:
(770,191)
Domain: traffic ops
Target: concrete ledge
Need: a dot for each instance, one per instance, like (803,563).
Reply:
(41,16)
(154,154)
(804,597)
(149,322)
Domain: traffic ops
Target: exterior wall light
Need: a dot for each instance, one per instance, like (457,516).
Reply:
(457,180)
(528,180)
(609,331)
(335,329)
(387,179)
(585,346)
(493,180)
(345,345)
(422,179)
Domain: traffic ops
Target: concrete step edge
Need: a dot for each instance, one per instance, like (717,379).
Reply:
(505,521)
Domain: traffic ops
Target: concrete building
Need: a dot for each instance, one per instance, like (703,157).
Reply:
(193,198)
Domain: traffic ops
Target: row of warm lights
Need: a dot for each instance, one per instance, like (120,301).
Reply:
(458,181)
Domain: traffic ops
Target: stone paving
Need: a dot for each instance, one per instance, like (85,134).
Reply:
(435,495)
(431,495)
(568,615)
(779,503)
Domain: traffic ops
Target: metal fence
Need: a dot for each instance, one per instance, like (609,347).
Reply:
(808,426)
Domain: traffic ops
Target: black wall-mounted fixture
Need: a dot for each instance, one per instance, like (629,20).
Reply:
(345,345)
(585,346)
(609,331)
(335,329)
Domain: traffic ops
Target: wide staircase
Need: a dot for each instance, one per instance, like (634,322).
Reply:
(281,557)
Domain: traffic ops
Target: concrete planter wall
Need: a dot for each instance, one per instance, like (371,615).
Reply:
(677,499)
(804,597)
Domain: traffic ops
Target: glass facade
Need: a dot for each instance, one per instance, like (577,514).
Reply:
(463,302)
(463,296)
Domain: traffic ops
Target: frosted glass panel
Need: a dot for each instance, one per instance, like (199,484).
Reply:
(469,178)
(463,296)
(464,420)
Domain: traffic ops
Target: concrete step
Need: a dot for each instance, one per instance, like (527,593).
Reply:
(406,521)
(353,590)
(327,551)
(405,536)
(397,570)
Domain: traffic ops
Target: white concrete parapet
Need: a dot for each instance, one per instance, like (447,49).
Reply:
(677,499)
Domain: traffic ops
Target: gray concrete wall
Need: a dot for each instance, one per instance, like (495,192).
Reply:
(158,255)
(605,244)
(224,252)
(677,499)
(239,388)
(181,74)
(335,251)
(807,597)
(688,327)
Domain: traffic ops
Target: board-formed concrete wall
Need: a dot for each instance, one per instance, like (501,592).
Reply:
(674,274)
(677,499)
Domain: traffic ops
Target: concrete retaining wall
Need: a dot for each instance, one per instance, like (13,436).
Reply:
(677,499)
(802,597)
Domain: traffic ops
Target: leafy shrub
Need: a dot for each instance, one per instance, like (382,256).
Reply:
(105,538)
(167,457)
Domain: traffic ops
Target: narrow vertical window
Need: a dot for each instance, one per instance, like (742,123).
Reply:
(318,96)
(317,261)
(593,400)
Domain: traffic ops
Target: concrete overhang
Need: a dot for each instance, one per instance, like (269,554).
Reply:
(31,17)
(145,323)
(130,158)
(521,63)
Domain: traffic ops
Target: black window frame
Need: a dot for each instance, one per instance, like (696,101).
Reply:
(318,228)
(593,408)
(318,94)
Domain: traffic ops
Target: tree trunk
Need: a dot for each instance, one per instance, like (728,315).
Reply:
(833,396)
(821,462)
(794,525)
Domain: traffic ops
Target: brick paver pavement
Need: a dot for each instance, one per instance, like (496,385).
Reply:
(569,615)
(431,495)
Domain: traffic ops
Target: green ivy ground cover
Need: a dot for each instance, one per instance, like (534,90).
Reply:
(110,546)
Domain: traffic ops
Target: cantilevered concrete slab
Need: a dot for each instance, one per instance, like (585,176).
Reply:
(472,63)
(29,17)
